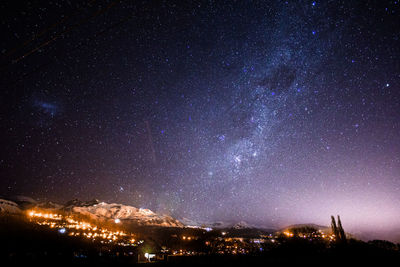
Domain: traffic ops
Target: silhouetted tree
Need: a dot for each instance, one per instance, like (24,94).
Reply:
(334,227)
(338,231)
(342,234)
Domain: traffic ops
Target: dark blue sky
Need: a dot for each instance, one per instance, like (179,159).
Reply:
(273,113)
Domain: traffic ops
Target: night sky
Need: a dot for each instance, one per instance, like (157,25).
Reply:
(270,112)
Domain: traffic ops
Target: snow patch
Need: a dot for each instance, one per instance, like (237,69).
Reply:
(105,211)
(7,206)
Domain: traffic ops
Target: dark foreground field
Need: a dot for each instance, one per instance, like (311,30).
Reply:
(27,244)
(335,259)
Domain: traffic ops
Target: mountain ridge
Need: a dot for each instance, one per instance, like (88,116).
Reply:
(102,211)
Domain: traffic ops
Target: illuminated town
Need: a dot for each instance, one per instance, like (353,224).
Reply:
(72,227)
(218,242)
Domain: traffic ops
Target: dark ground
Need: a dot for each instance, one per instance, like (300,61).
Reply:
(23,243)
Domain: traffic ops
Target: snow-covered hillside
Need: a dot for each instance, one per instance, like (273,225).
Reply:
(95,210)
(104,211)
(7,206)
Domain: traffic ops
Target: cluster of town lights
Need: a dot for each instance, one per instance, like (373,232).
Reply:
(320,234)
(67,224)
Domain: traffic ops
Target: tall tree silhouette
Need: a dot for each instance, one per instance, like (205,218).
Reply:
(334,227)
(341,231)
(338,231)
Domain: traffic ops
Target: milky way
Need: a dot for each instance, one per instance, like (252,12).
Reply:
(274,114)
